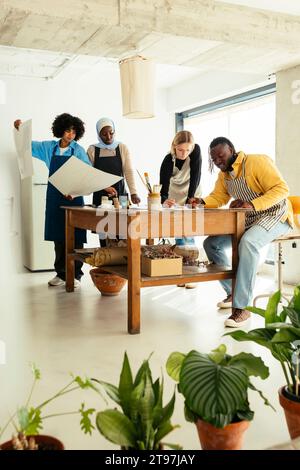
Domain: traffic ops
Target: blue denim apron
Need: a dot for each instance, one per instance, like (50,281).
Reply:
(55,216)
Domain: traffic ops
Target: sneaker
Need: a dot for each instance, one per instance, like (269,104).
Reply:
(226,303)
(191,285)
(56,281)
(180,285)
(238,318)
(76,283)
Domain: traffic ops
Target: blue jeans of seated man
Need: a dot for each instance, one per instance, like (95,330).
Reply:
(185,241)
(250,244)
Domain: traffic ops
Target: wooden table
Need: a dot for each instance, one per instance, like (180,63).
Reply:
(141,224)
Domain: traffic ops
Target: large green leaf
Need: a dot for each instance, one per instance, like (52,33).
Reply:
(246,415)
(174,364)
(259,311)
(295,302)
(189,415)
(145,409)
(221,420)
(162,431)
(158,389)
(282,351)
(286,335)
(210,389)
(111,390)
(294,315)
(116,427)
(144,369)
(253,365)
(134,401)
(125,385)
(271,310)
(163,414)
(260,336)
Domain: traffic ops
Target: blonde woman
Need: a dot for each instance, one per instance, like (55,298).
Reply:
(180,171)
(180,174)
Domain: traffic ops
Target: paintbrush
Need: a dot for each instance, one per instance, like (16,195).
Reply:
(144,183)
(148,182)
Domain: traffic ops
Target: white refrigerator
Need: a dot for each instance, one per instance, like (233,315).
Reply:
(38,254)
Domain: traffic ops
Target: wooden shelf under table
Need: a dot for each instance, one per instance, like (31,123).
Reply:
(190,274)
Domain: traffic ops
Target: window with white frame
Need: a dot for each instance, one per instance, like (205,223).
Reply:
(249,125)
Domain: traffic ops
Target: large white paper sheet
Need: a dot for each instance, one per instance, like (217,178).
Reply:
(22,138)
(76,178)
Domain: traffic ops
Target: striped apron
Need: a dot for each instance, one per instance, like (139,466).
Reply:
(238,189)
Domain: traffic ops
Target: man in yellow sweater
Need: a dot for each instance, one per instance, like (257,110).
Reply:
(253,182)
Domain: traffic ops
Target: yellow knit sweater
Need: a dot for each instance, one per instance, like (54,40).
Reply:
(262,177)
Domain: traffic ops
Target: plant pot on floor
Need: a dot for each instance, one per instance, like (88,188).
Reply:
(43,442)
(107,283)
(228,438)
(291,405)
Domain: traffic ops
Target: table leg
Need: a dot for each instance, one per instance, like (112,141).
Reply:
(70,262)
(240,229)
(134,284)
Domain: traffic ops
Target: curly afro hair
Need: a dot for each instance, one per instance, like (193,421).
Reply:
(64,122)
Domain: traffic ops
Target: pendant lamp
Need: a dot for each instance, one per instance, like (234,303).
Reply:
(137,82)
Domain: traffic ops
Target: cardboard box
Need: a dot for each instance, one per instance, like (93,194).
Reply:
(161,266)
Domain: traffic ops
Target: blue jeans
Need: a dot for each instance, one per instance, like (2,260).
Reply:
(250,244)
(185,241)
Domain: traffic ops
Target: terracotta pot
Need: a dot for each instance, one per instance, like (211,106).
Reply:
(106,283)
(228,438)
(43,442)
(292,412)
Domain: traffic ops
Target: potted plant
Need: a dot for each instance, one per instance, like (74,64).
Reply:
(281,335)
(28,420)
(142,421)
(215,387)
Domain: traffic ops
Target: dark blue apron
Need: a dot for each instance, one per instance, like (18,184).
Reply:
(111,165)
(55,216)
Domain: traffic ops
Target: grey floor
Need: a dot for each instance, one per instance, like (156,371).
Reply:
(85,333)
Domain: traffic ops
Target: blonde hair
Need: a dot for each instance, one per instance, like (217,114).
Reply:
(182,137)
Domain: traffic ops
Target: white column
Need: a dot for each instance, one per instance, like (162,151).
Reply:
(288,153)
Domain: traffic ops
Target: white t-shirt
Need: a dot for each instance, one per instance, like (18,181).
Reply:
(63,150)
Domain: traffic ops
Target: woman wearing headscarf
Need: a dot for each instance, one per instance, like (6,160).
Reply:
(113,157)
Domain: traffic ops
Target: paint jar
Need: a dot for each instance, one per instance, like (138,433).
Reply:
(123,201)
(116,203)
(106,203)
(154,201)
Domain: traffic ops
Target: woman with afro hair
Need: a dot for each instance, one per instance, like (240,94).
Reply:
(54,153)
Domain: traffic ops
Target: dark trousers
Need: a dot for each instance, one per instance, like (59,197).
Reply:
(60,261)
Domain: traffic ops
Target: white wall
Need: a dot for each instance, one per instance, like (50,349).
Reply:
(288,151)
(87,93)
(209,87)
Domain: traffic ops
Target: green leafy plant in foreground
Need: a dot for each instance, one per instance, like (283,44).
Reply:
(280,335)
(142,421)
(215,386)
(28,419)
